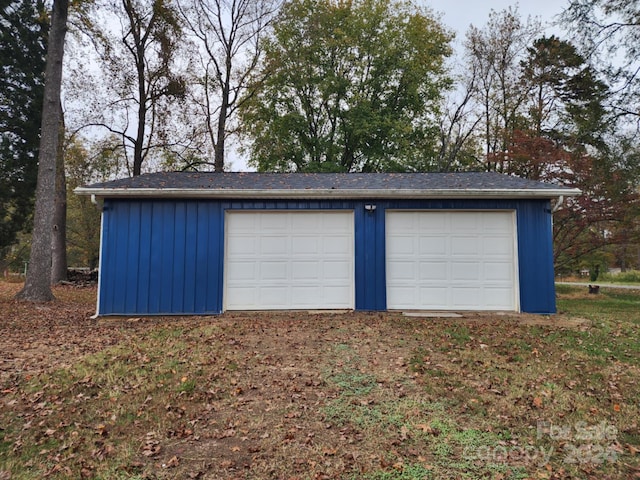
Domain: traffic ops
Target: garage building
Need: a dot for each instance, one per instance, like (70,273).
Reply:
(203,243)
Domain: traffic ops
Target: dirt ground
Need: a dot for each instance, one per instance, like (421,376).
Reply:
(291,395)
(65,331)
(35,338)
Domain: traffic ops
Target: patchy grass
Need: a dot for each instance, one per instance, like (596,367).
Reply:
(630,276)
(309,396)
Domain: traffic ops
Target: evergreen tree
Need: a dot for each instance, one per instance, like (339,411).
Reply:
(23,33)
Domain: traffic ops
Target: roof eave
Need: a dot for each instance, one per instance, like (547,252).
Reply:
(287,194)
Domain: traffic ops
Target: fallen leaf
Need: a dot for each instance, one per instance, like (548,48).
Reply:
(173,462)
(424,427)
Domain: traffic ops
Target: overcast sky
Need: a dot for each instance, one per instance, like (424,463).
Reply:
(459,14)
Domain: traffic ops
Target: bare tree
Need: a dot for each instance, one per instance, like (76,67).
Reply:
(608,32)
(133,96)
(37,286)
(457,126)
(495,53)
(228,35)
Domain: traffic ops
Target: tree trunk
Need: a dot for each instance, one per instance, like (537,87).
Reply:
(142,116)
(37,287)
(59,240)
(222,127)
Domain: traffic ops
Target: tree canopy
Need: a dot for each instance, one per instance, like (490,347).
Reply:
(609,33)
(133,96)
(347,86)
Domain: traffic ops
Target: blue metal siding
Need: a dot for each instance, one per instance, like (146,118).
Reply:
(371,291)
(535,253)
(167,257)
(161,257)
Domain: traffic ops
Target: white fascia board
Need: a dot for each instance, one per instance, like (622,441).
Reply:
(286,194)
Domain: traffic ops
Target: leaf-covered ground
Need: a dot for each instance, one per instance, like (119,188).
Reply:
(296,395)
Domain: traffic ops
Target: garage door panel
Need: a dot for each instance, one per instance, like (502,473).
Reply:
(301,223)
(273,296)
(466,297)
(307,245)
(274,245)
(466,271)
(305,270)
(340,294)
(272,270)
(245,224)
(494,245)
(436,295)
(465,223)
(436,224)
(498,271)
(242,294)
(500,223)
(337,245)
(271,223)
(464,245)
(339,224)
(305,296)
(400,222)
(433,245)
(404,295)
(401,270)
(289,260)
(405,245)
(496,297)
(451,260)
(434,271)
(337,271)
(244,270)
(242,244)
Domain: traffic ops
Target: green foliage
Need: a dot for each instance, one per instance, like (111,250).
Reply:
(347,86)
(23,32)
(594,273)
(83,217)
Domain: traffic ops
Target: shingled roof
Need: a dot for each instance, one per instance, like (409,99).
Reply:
(325,185)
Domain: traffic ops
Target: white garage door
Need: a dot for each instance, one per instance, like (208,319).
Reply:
(451,260)
(289,260)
